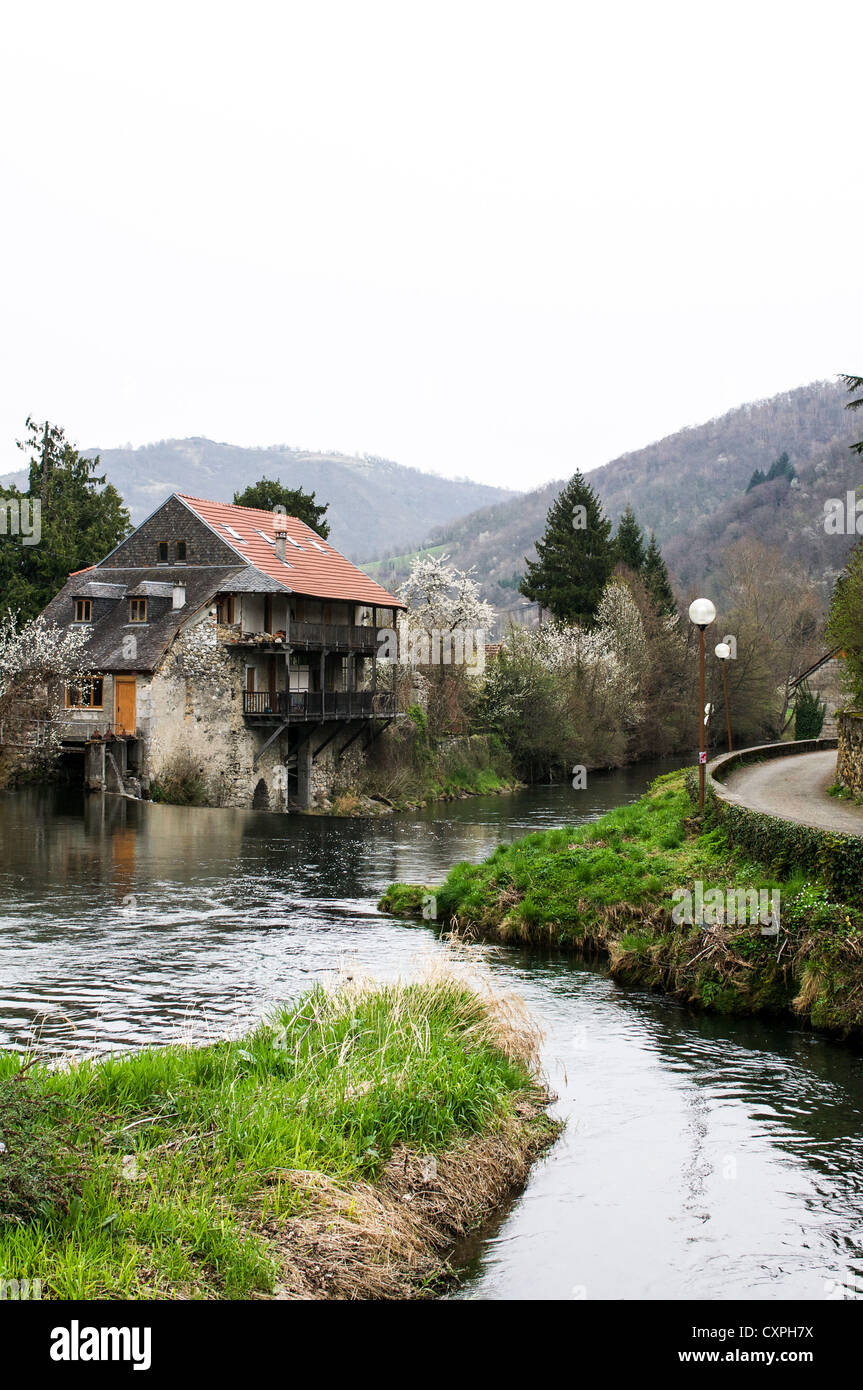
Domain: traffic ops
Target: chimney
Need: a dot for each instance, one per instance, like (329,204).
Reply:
(280,531)
(179,596)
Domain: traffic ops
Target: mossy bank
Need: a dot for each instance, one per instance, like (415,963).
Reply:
(337,1152)
(607,889)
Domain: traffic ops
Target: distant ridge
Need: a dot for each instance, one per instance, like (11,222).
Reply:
(690,488)
(375,504)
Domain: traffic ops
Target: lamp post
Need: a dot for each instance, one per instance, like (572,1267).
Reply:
(701,615)
(723,652)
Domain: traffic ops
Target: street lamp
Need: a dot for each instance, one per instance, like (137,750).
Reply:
(723,652)
(701,615)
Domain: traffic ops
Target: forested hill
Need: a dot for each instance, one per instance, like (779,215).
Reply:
(690,488)
(374,504)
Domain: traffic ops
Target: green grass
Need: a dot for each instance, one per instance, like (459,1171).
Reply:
(162,1173)
(376,568)
(607,888)
(843,793)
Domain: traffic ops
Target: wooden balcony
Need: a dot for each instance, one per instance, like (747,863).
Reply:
(333,637)
(297,706)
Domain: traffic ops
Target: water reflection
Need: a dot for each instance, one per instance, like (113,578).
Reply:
(704,1157)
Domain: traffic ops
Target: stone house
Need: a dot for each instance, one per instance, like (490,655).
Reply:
(236,641)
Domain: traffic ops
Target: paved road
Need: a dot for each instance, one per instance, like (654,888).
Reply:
(796,789)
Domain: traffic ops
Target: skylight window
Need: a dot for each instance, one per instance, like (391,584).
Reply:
(265,538)
(294,543)
(319,547)
(231,532)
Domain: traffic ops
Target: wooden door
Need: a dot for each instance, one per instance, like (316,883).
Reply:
(125,707)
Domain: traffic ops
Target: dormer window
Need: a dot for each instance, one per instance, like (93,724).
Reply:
(163,552)
(137,610)
(181,552)
(83,610)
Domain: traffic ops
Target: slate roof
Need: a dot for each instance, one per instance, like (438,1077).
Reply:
(153,588)
(109,628)
(253,581)
(312,565)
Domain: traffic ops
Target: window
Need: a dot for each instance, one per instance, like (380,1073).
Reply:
(83,610)
(163,552)
(181,552)
(137,610)
(86,694)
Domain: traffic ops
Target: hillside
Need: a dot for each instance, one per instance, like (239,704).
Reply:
(691,489)
(375,504)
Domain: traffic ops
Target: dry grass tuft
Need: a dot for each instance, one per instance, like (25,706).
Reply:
(388,1240)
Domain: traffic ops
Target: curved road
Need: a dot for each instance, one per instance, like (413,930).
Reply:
(795,788)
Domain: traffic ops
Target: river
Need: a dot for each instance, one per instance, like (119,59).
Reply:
(703,1157)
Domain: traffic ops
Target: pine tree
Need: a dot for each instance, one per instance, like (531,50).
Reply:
(629,542)
(82,518)
(782,468)
(854,383)
(576,556)
(657,582)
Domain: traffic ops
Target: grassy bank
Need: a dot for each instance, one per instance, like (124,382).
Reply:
(335,1152)
(408,768)
(606,889)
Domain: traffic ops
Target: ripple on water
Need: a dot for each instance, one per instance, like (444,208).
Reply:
(703,1157)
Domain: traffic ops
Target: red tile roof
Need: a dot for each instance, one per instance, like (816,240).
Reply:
(313,566)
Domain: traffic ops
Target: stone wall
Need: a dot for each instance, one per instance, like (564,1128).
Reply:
(826,682)
(201,719)
(173,522)
(849,765)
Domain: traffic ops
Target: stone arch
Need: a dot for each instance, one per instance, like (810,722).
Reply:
(261,797)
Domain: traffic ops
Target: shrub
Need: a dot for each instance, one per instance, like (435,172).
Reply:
(809,712)
(181,782)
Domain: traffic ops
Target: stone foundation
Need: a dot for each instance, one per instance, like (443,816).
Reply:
(849,763)
(201,721)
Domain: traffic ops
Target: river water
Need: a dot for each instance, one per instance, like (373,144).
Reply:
(703,1157)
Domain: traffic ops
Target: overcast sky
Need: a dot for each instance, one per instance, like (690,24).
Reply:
(494,239)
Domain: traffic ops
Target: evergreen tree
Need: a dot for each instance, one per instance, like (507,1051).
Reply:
(855,383)
(782,468)
(656,580)
(576,556)
(629,542)
(268,493)
(81,519)
(809,712)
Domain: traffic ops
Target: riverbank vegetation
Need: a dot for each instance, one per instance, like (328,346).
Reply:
(337,1151)
(606,889)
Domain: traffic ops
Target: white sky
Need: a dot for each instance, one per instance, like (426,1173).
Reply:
(494,239)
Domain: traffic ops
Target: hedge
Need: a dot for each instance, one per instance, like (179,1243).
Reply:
(786,847)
